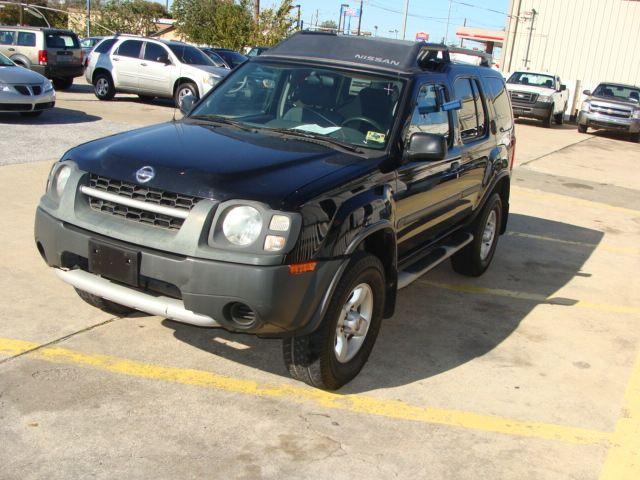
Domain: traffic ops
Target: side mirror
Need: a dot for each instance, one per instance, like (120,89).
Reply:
(587,92)
(563,87)
(452,105)
(187,104)
(164,60)
(425,147)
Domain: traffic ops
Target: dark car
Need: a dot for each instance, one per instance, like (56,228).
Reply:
(225,58)
(294,199)
(612,107)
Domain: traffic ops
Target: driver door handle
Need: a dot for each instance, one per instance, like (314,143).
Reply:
(454,165)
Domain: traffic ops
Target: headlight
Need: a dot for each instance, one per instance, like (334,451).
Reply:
(585,107)
(58,178)
(4,87)
(212,79)
(545,98)
(242,225)
(47,86)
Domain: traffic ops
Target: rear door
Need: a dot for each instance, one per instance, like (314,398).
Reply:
(427,193)
(155,72)
(26,45)
(7,40)
(126,65)
(63,48)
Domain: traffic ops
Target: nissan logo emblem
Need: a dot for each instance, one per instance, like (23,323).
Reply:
(145,174)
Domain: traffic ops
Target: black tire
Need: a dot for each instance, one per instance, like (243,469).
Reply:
(559,117)
(104,304)
(146,98)
(582,128)
(312,358)
(547,122)
(62,83)
(31,114)
(183,87)
(469,261)
(635,137)
(103,87)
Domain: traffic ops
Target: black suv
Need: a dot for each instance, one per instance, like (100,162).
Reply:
(294,199)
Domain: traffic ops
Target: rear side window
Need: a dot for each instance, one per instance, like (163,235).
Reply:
(472,116)
(105,45)
(62,40)
(6,37)
(27,39)
(498,95)
(130,48)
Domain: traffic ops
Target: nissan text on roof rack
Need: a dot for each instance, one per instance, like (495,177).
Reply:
(294,199)
(538,95)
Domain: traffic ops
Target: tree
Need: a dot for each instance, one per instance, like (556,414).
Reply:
(128,16)
(10,15)
(329,25)
(274,25)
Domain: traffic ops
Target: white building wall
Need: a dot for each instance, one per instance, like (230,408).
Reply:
(580,40)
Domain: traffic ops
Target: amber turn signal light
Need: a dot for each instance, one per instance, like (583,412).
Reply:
(298,268)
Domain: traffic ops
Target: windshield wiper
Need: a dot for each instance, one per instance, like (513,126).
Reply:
(321,139)
(219,120)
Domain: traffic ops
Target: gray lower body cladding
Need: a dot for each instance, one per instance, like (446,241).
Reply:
(283,303)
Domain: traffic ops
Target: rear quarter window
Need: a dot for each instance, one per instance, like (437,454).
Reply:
(105,45)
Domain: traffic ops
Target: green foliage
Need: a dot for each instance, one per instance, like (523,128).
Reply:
(128,16)
(329,25)
(10,15)
(230,24)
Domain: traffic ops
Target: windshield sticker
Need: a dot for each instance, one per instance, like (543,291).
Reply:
(358,84)
(376,137)
(315,128)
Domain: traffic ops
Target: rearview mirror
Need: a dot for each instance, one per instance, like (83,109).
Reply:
(425,147)
(587,92)
(452,105)
(188,101)
(563,87)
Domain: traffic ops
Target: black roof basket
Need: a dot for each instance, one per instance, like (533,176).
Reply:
(437,53)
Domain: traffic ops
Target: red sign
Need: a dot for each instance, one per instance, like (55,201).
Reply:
(422,37)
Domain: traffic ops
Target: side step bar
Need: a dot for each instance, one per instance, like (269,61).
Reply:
(166,307)
(432,260)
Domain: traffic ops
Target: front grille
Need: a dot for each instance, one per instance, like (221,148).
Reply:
(22,89)
(611,111)
(152,196)
(524,97)
(37,90)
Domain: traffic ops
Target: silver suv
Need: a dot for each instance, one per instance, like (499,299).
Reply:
(51,52)
(150,68)
(612,106)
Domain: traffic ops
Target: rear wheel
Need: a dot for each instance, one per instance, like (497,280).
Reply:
(334,354)
(474,259)
(183,90)
(104,304)
(103,87)
(582,128)
(62,83)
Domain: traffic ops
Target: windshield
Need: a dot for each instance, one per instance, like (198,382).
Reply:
(5,62)
(232,58)
(348,107)
(191,55)
(533,79)
(618,92)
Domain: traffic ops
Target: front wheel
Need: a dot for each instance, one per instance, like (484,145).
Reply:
(547,122)
(476,257)
(334,354)
(559,117)
(183,90)
(582,128)
(635,137)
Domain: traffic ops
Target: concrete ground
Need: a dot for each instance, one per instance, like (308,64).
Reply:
(531,371)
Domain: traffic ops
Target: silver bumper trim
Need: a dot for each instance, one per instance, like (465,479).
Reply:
(166,307)
(130,202)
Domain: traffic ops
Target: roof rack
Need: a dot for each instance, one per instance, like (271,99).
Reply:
(429,55)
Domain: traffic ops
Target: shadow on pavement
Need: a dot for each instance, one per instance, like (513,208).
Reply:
(435,330)
(538,123)
(55,116)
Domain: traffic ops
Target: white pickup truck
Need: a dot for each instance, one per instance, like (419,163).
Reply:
(538,95)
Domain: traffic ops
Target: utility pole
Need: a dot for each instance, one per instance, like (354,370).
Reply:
(533,19)
(511,36)
(299,24)
(446,33)
(88,18)
(256,10)
(404,24)
(375,28)
(462,39)
(340,22)
(360,18)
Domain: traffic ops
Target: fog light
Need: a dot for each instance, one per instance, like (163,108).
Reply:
(280,223)
(274,243)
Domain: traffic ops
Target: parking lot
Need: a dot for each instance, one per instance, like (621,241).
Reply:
(531,371)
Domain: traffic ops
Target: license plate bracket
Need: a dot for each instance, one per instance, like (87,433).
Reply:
(114,262)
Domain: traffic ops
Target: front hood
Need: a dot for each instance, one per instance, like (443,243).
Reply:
(221,72)
(20,75)
(222,163)
(609,101)
(516,87)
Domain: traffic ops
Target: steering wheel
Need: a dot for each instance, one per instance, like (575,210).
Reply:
(371,122)
(319,115)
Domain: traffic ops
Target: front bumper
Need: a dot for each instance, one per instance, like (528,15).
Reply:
(13,101)
(195,290)
(59,71)
(538,110)
(608,122)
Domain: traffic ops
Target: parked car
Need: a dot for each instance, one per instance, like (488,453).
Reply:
(151,68)
(87,45)
(613,107)
(294,205)
(256,51)
(51,52)
(225,58)
(24,91)
(538,95)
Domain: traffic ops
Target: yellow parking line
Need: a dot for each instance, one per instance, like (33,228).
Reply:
(623,459)
(498,292)
(599,246)
(394,409)
(559,199)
